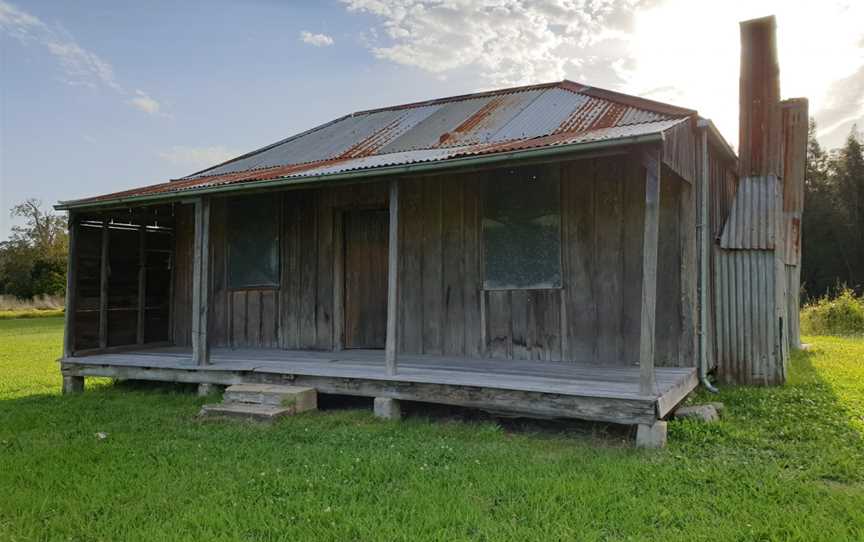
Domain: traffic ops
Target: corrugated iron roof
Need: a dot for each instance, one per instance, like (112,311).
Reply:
(507,120)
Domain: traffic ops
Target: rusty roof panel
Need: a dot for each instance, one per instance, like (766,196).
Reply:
(433,131)
(542,116)
(350,135)
(498,121)
(485,124)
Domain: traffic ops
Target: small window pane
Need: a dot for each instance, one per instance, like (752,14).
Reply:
(522,230)
(253,242)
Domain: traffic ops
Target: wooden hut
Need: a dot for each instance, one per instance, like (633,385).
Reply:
(530,250)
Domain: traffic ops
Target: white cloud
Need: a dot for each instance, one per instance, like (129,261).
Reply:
(679,51)
(689,53)
(503,41)
(316,40)
(145,103)
(197,157)
(80,66)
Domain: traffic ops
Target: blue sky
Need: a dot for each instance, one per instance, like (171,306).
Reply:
(98,96)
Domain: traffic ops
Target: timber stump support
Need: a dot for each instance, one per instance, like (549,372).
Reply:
(387,408)
(205,389)
(651,436)
(73,384)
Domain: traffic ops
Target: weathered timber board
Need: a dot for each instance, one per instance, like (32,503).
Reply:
(542,404)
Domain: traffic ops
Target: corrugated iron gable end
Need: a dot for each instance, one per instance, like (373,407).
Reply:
(500,121)
(752,219)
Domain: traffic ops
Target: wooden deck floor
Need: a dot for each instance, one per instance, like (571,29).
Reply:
(534,388)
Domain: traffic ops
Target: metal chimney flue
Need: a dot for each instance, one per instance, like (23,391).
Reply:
(759,94)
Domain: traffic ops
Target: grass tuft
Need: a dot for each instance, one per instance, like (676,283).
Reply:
(842,314)
(132,462)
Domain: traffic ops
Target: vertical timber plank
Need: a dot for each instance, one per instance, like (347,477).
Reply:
(472,280)
(432,272)
(688,272)
(668,294)
(338,280)
(254,322)
(609,258)
(647,378)
(411,269)
(142,282)
(308,258)
(324,297)
(219,273)
(519,336)
(579,261)
(498,324)
(392,279)
(103,285)
(201,283)
(453,263)
(71,287)
(269,318)
(634,221)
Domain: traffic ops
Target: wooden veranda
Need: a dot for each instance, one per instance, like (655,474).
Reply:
(530,388)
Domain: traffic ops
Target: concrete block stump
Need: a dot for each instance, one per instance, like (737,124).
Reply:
(206,389)
(387,408)
(73,384)
(651,436)
(701,413)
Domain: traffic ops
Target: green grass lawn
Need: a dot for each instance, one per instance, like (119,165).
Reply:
(784,464)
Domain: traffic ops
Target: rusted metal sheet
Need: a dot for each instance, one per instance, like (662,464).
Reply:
(759,94)
(461,126)
(346,163)
(795,126)
(753,218)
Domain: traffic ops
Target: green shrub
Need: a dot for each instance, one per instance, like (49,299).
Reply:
(840,315)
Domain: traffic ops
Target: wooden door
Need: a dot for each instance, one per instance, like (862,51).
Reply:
(366,234)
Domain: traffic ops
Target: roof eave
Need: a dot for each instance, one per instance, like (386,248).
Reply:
(402,169)
(718,138)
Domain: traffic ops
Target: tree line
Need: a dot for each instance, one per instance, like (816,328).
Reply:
(33,259)
(832,235)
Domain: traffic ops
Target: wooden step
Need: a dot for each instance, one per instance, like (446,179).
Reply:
(246,411)
(298,398)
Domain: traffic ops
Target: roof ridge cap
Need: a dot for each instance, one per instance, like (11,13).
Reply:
(459,97)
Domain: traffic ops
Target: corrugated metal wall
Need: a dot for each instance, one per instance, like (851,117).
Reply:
(749,304)
(747,341)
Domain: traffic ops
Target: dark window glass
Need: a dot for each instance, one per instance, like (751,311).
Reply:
(522,229)
(253,241)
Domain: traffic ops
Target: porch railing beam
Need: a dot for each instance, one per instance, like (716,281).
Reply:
(200,283)
(647,379)
(392,280)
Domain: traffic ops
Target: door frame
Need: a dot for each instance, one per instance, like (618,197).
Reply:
(339,246)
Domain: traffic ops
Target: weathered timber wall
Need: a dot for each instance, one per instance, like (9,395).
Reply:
(181,314)
(442,306)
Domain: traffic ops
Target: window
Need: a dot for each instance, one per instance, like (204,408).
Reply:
(253,242)
(522,229)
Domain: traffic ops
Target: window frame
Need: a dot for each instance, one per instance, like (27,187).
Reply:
(543,169)
(229,221)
